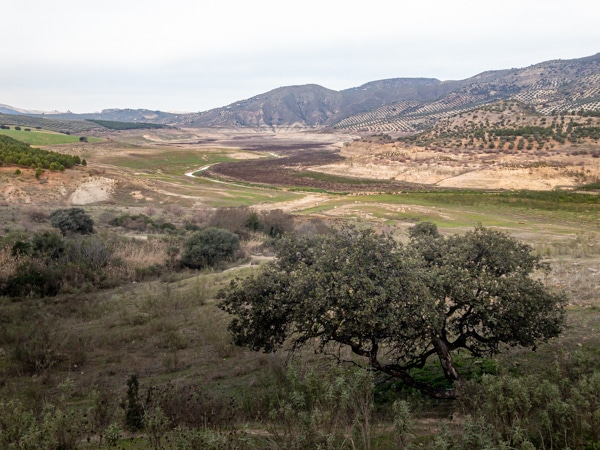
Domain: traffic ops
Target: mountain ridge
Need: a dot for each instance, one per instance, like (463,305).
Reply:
(394,104)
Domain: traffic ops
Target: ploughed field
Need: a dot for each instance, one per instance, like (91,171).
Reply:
(292,167)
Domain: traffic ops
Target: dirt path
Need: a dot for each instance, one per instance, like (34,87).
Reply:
(201,169)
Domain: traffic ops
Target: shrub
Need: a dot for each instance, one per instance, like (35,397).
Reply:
(195,406)
(137,222)
(321,409)
(92,252)
(236,220)
(21,248)
(209,247)
(134,410)
(48,244)
(167,226)
(72,220)
(276,223)
(37,349)
(32,279)
(191,227)
(37,215)
(55,429)
(535,410)
(424,229)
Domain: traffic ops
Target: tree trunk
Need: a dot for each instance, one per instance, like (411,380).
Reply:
(394,371)
(443,352)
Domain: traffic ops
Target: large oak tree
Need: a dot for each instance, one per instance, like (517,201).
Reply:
(397,306)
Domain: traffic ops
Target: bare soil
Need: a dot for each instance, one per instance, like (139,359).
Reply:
(307,161)
(467,168)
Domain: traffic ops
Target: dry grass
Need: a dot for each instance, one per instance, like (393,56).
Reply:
(580,278)
(8,263)
(137,254)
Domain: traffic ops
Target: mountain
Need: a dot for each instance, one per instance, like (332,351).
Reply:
(393,105)
(313,105)
(294,106)
(7,109)
(118,115)
(547,88)
(409,104)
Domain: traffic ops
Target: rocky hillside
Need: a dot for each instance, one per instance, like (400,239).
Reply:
(315,106)
(410,104)
(547,88)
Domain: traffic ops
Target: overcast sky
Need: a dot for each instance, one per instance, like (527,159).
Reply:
(184,55)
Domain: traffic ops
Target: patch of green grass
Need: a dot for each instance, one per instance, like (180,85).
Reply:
(534,205)
(590,186)
(117,125)
(174,162)
(248,197)
(37,137)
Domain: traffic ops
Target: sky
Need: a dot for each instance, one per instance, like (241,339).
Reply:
(184,55)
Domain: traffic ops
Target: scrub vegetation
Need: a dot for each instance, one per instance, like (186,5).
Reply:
(390,318)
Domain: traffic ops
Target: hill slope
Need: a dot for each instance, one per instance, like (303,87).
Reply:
(549,87)
(409,104)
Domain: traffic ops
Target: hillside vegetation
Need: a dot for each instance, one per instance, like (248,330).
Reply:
(51,123)
(110,339)
(510,125)
(114,125)
(13,152)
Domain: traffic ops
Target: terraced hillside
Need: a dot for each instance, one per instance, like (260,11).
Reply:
(513,126)
(547,88)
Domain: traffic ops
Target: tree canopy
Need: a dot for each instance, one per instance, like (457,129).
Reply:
(397,305)
(22,154)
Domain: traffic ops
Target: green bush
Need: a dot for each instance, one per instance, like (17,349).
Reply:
(21,248)
(48,244)
(534,410)
(32,279)
(57,428)
(134,409)
(209,247)
(72,220)
(321,409)
(138,222)
(191,227)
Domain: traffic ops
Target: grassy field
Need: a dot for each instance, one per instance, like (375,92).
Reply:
(508,209)
(42,137)
(162,171)
(169,161)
